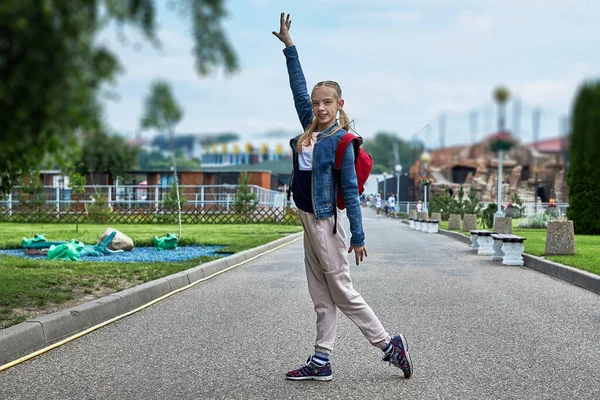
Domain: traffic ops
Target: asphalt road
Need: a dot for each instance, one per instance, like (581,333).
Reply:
(476,330)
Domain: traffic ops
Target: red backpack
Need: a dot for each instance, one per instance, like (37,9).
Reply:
(363,163)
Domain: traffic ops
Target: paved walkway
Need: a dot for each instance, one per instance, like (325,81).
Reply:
(476,330)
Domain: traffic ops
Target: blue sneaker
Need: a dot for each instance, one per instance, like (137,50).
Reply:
(310,370)
(399,355)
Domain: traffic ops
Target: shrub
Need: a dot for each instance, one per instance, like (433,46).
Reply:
(583,173)
(536,222)
(487,215)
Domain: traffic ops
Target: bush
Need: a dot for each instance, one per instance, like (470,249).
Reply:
(535,222)
(487,215)
(583,173)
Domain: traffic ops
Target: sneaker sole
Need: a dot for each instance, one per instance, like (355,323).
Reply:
(306,378)
(405,346)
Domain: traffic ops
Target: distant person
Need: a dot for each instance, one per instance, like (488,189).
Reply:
(419,206)
(392,203)
(378,204)
(325,243)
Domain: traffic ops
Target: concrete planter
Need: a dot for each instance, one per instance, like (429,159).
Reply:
(454,222)
(436,216)
(560,238)
(469,222)
(503,225)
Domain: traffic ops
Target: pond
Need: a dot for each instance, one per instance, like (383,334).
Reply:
(141,254)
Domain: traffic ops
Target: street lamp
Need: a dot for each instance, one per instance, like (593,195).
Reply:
(425,158)
(501,95)
(398,169)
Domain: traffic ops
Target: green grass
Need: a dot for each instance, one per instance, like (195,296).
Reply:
(28,287)
(587,247)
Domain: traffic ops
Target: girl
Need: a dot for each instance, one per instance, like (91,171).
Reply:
(378,204)
(313,187)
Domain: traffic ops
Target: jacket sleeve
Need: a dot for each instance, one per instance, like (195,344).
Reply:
(298,84)
(349,184)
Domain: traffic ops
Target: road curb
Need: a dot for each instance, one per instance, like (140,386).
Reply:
(575,276)
(34,334)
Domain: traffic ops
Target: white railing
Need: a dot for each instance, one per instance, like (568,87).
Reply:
(150,196)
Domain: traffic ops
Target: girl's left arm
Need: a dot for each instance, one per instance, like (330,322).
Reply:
(349,184)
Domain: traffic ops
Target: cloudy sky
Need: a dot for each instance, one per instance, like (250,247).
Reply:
(401,65)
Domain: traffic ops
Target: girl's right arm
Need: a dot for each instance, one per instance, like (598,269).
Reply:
(297,80)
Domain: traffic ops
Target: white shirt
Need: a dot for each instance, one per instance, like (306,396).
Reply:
(305,158)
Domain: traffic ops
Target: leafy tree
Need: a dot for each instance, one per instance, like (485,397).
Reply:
(53,68)
(106,154)
(381,148)
(162,113)
(245,201)
(156,161)
(583,174)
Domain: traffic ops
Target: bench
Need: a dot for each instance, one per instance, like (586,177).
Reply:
(433,226)
(482,242)
(508,249)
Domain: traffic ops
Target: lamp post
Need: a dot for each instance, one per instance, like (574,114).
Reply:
(501,95)
(398,170)
(425,158)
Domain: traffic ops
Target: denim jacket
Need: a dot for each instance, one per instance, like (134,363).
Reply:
(323,189)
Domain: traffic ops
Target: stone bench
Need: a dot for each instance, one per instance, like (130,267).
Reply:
(433,226)
(427,225)
(482,242)
(508,249)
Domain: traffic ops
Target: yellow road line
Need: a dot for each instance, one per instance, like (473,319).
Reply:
(110,321)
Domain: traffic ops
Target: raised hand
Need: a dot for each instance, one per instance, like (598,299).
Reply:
(284,30)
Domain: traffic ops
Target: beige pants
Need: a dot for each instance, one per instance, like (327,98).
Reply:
(329,283)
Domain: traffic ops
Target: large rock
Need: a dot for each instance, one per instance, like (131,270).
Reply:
(120,242)
(560,238)
(469,222)
(454,222)
(503,225)
(436,216)
(412,214)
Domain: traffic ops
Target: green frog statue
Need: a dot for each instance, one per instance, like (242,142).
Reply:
(74,249)
(168,242)
(38,241)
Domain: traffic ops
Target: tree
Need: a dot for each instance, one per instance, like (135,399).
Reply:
(381,149)
(162,113)
(106,154)
(245,201)
(53,68)
(77,183)
(584,174)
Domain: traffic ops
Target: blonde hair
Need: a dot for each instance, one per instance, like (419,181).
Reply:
(344,120)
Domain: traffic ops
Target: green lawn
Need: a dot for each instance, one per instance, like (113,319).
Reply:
(30,287)
(587,247)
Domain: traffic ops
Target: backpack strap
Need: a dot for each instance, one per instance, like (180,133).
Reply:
(337,169)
